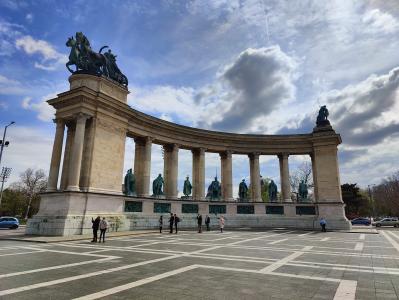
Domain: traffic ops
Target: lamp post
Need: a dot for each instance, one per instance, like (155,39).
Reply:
(371,198)
(5,173)
(3,142)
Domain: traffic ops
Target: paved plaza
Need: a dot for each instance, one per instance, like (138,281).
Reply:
(272,264)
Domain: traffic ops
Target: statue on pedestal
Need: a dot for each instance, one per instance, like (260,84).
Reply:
(130,184)
(322,117)
(90,62)
(272,191)
(303,191)
(157,185)
(243,191)
(214,190)
(187,187)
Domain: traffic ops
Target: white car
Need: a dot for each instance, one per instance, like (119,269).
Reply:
(387,222)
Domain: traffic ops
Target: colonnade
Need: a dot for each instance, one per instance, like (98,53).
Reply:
(73,153)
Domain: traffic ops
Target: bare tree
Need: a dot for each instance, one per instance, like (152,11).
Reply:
(31,184)
(303,172)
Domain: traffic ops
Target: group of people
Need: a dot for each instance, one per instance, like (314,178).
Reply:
(174,221)
(101,224)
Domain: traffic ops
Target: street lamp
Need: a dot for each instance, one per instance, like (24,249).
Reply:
(5,173)
(3,142)
(371,198)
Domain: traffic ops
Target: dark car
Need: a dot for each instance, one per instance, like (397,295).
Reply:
(9,222)
(361,221)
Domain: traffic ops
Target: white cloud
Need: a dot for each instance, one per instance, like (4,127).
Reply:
(29,17)
(10,86)
(45,111)
(51,58)
(380,22)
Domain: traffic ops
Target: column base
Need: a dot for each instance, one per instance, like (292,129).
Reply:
(73,188)
(51,190)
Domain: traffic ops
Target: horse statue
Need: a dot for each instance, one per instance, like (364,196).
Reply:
(88,61)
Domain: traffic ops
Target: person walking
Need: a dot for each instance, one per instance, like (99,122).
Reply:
(207,223)
(171,222)
(160,224)
(199,221)
(176,220)
(96,224)
(103,229)
(323,224)
(221,223)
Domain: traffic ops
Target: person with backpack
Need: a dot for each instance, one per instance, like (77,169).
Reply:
(199,221)
(171,222)
(176,220)
(103,229)
(207,223)
(323,224)
(96,224)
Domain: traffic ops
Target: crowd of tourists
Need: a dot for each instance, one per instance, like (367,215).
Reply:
(174,221)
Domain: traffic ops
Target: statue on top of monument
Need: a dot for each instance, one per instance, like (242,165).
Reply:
(130,184)
(243,191)
(88,61)
(272,191)
(157,186)
(214,190)
(322,117)
(303,191)
(187,187)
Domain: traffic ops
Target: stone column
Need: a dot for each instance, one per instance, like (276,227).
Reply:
(138,166)
(314,175)
(76,154)
(67,154)
(56,156)
(198,180)
(285,178)
(171,163)
(255,177)
(146,166)
(227,175)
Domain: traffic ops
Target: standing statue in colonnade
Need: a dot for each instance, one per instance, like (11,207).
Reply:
(303,191)
(214,190)
(129,184)
(272,191)
(157,185)
(243,191)
(187,187)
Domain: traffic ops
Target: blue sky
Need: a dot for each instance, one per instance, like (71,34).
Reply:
(241,66)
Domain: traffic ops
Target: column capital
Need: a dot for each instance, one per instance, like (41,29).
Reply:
(59,121)
(80,117)
(226,154)
(254,155)
(171,147)
(283,155)
(143,139)
(198,150)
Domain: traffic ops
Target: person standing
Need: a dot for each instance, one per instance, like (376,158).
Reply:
(199,221)
(96,224)
(160,223)
(323,224)
(221,223)
(207,222)
(103,229)
(176,220)
(171,222)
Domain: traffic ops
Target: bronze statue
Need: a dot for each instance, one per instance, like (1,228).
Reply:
(272,191)
(157,186)
(130,184)
(187,187)
(322,117)
(303,191)
(214,190)
(243,191)
(88,61)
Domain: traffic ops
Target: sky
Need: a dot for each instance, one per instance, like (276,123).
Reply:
(236,66)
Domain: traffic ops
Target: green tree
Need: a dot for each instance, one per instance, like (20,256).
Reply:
(13,203)
(264,189)
(357,202)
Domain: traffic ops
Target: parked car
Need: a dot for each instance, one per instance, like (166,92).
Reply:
(9,222)
(387,222)
(361,221)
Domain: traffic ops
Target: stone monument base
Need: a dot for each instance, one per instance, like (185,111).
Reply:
(70,213)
